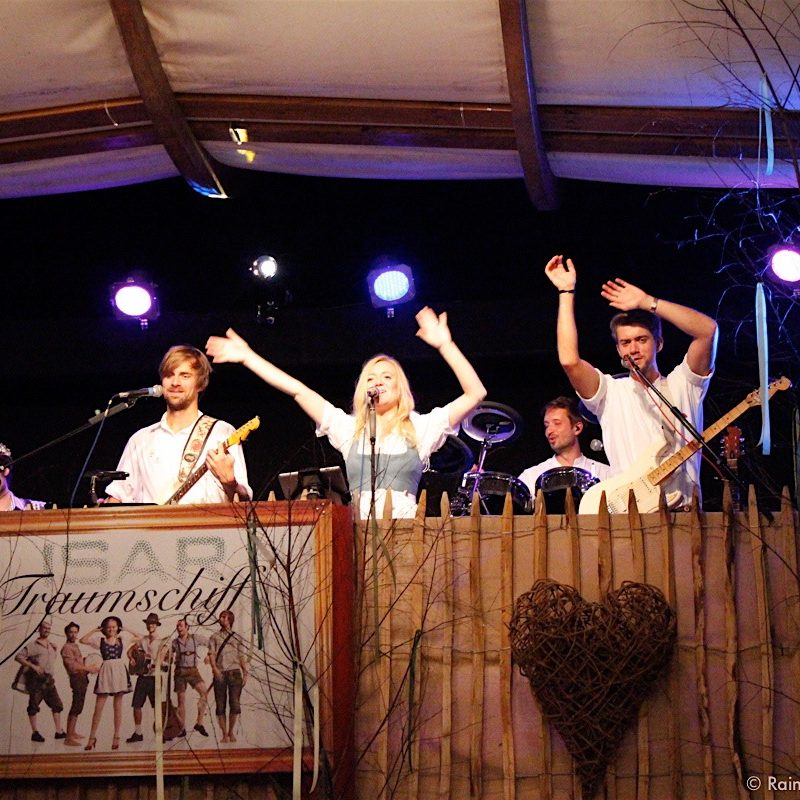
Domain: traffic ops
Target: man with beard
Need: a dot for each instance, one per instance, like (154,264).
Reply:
(160,458)
(562,426)
(40,656)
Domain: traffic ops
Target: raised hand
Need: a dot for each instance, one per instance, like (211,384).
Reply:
(230,348)
(433,329)
(624,296)
(561,273)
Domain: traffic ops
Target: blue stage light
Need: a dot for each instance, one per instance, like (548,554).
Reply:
(391,285)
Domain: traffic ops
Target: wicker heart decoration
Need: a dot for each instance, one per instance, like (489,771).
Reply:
(590,665)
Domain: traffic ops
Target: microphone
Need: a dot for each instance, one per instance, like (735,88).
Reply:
(630,364)
(107,475)
(596,445)
(373,394)
(150,391)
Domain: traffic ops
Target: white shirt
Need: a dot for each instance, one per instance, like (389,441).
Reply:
(631,421)
(596,468)
(152,459)
(431,431)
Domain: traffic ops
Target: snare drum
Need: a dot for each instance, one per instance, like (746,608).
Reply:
(492,488)
(556,482)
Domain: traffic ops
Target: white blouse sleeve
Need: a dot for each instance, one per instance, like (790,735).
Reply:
(432,430)
(337,426)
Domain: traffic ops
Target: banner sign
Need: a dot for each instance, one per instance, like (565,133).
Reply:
(102,613)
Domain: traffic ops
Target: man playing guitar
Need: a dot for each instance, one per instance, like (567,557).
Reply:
(630,414)
(163,456)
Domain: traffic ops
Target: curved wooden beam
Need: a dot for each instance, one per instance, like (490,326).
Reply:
(539,178)
(197,167)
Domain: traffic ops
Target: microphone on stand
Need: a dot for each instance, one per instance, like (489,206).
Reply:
(629,363)
(596,445)
(150,391)
(372,396)
(107,475)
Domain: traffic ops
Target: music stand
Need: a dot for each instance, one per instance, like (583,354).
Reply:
(322,483)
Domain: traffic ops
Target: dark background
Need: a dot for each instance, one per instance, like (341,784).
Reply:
(478,250)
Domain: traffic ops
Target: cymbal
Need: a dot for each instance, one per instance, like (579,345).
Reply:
(493,423)
(454,456)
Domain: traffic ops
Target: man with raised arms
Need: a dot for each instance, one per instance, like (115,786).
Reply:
(631,415)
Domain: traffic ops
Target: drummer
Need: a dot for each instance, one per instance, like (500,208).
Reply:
(562,426)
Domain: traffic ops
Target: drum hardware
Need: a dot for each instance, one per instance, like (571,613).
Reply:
(445,472)
(491,424)
(491,488)
(556,482)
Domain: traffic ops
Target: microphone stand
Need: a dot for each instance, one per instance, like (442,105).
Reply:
(373,461)
(90,423)
(681,417)
(101,475)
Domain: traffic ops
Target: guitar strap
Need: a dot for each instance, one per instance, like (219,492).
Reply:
(194,445)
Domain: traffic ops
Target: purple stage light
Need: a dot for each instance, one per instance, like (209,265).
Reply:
(134,299)
(785,264)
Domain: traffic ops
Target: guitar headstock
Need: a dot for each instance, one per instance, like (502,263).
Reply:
(732,443)
(240,434)
(779,385)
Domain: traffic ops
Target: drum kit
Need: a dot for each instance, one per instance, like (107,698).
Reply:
(491,424)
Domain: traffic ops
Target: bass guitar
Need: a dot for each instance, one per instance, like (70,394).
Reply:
(646,474)
(237,437)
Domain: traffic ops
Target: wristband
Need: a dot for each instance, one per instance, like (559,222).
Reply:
(566,291)
(654,305)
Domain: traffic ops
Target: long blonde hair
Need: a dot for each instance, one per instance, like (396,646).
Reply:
(401,424)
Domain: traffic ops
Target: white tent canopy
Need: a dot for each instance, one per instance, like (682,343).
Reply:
(98,93)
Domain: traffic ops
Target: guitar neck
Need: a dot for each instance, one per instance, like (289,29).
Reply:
(666,468)
(187,484)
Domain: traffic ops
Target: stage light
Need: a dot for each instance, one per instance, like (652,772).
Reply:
(269,287)
(391,285)
(264,268)
(135,298)
(785,264)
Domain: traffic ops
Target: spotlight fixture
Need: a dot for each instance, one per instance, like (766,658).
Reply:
(265,267)
(135,298)
(785,265)
(390,285)
(269,288)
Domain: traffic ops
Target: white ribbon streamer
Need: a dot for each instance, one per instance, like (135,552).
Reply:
(763,366)
(765,109)
(297,760)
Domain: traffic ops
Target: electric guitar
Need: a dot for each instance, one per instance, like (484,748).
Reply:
(238,436)
(645,475)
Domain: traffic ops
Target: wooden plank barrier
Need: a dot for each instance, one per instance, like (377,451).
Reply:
(469,727)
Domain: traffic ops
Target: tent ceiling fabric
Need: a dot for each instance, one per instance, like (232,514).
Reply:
(388,89)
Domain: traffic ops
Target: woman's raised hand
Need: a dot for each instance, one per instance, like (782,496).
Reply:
(230,348)
(433,329)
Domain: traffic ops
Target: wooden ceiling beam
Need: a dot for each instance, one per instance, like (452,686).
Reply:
(364,135)
(124,123)
(171,127)
(77,144)
(539,178)
(357,111)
